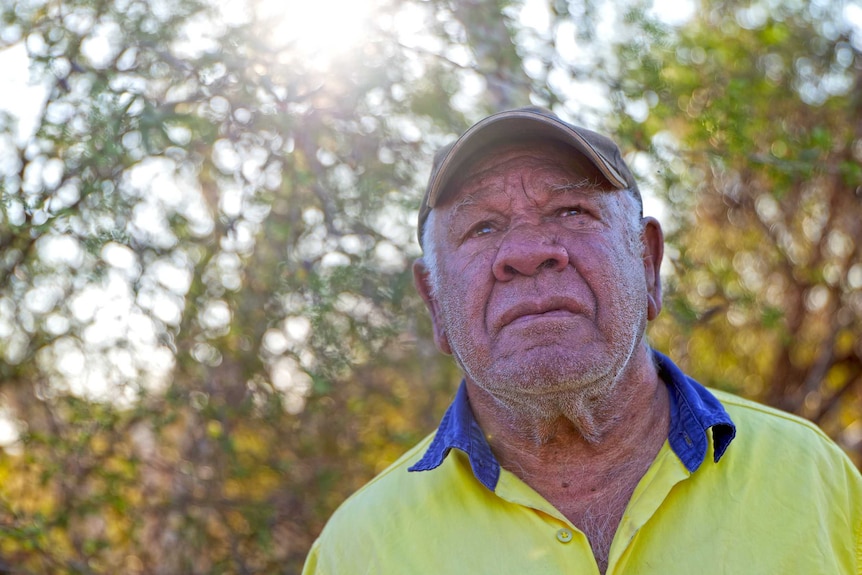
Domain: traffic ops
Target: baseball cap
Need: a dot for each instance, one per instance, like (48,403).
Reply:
(523,124)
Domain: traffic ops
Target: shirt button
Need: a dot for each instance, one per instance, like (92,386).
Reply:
(564,535)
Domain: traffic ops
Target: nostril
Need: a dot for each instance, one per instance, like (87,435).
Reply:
(524,255)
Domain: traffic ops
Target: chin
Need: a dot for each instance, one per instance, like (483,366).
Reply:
(559,375)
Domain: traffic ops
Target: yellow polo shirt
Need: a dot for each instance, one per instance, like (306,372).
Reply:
(738,488)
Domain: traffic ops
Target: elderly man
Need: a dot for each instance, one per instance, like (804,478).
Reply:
(571,446)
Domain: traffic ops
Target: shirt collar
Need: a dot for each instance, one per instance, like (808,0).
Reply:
(459,429)
(693,410)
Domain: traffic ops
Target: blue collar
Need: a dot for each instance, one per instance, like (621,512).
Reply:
(693,410)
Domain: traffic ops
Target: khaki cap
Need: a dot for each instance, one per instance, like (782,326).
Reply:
(522,124)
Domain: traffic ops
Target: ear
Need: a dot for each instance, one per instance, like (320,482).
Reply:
(653,246)
(422,281)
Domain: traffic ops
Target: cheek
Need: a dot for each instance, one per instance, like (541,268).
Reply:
(471,268)
(615,274)
(631,288)
(465,287)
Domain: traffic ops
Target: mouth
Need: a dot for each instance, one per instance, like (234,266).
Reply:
(552,308)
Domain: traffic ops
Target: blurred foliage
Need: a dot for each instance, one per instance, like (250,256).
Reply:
(208,331)
(754,123)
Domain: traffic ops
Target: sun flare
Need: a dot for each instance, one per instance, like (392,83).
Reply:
(321,29)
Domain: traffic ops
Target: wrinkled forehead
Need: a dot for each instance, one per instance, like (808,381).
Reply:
(547,159)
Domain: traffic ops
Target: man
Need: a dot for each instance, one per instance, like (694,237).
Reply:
(571,447)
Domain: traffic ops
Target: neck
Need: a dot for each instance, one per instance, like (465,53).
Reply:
(586,461)
(607,420)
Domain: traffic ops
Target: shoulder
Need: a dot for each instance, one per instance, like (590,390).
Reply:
(776,443)
(748,407)
(394,518)
(375,497)
(751,416)
(789,474)
(370,515)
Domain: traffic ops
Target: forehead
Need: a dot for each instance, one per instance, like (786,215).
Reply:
(529,158)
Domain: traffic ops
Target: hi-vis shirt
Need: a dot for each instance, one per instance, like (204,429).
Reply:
(737,489)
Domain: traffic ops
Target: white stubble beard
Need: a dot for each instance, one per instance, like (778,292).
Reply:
(582,393)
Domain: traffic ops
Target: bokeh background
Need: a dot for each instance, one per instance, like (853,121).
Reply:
(208,331)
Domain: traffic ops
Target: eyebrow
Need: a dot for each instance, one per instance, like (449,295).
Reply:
(582,184)
(465,207)
(465,202)
(567,186)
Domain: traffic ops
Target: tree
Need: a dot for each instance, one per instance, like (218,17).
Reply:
(205,281)
(208,333)
(753,121)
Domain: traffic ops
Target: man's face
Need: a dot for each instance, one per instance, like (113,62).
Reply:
(544,285)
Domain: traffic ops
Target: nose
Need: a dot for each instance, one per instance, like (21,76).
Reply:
(527,251)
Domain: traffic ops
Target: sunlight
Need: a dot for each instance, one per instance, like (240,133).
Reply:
(19,96)
(322,29)
(673,12)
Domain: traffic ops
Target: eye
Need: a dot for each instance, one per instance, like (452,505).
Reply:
(570,211)
(481,229)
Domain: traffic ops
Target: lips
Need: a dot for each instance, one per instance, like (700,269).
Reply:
(546,307)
